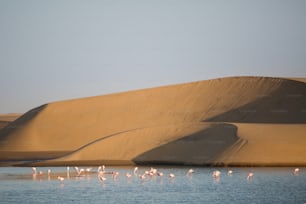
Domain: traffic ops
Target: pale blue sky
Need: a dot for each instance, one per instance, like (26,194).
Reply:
(56,50)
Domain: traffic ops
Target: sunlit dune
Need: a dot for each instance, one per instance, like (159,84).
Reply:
(227,121)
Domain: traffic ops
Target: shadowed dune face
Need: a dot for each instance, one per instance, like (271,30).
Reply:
(201,148)
(285,105)
(142,126)
(6,119)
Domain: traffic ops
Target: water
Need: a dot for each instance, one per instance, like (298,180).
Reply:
(269,185)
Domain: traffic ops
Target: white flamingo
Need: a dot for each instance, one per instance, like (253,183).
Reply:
(216,174)
(135,170)
(230,172)
(128,175)
(34,171)
(115,175)
(160,174)
(142,177)
(190,172)
(296,171)
(61,179)
(88,170)
(68,171)
(79,172)
(171,175)
(101,176)
(250,176)
(153,171)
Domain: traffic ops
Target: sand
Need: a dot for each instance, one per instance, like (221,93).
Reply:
(244,121)
(6,119)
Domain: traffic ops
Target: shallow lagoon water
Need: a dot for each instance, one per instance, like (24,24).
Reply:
(269,185)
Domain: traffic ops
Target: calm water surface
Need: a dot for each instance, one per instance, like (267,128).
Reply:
(269,185)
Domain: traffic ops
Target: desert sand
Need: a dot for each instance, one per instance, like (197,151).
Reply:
(6,119)
(234,121)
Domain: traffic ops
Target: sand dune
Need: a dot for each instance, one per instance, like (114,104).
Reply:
(223,121)
(6,119)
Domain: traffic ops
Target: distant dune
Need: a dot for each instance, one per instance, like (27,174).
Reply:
(239,121)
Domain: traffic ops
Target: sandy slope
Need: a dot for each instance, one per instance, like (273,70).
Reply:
(192,123)
(268,144)
(5,119)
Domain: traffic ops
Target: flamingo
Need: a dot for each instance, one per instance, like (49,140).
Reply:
(135,170)
(115,175)
(128,175)
(142,177)
(171,175)
(216,174)
(79,172)
(189,172)
(101,176)
(88,170)
(250,176)
(76,169)
(296,171)
(61,179)
(230,172)
(49,172)
(153,171)
(68,171)
(36,174)
(160,174)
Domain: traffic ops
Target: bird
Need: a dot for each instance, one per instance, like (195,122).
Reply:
(79,172)
(171,175)
(153,171)
(216,174)
(160,174)
(128,175)
(88,170)
(68,171)
(61,179)
(189,172)
(101,176)
(34,171)
(49,172)
(250,176)
(296,171)
(142,177)
(135,170)
(115,174)
(230,172)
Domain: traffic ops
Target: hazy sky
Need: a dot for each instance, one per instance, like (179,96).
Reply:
(56,50)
